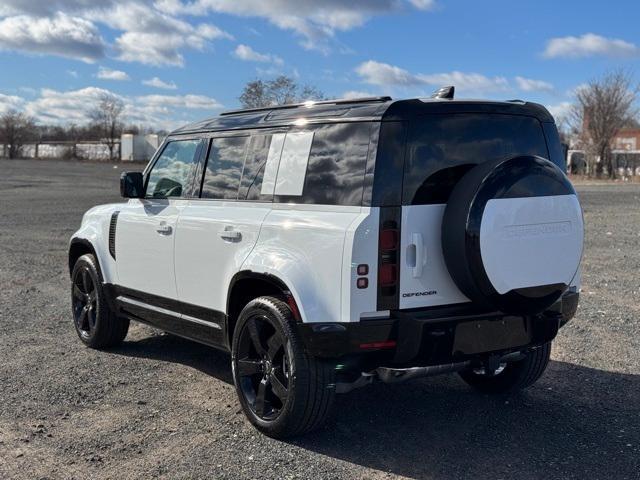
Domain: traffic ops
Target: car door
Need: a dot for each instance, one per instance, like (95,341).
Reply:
(146,226)
(217,232)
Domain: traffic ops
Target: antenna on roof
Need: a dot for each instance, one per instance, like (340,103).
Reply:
(444,92)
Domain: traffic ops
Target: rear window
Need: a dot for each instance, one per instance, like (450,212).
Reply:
(442,148)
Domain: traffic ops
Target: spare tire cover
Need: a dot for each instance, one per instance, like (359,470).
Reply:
(512,234)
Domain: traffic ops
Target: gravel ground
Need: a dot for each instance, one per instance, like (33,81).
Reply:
(163,407)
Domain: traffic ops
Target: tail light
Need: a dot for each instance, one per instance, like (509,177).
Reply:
(388,258)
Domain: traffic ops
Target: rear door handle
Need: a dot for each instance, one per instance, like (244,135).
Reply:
(164,229)
(416,239)
(233,235)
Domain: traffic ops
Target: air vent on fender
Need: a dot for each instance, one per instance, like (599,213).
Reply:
(112,234)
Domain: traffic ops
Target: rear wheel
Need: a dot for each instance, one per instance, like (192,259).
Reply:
(282,390)
(511,376)
(95,323)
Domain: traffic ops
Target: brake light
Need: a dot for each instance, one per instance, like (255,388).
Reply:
(387,274)
(388,258)
(389,239)
(382,344)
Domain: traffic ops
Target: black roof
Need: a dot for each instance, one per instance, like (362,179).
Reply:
(366,109)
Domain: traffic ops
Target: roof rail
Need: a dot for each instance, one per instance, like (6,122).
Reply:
(310,103)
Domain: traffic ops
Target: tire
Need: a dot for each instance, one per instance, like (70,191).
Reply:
(515,375)
(267,355)
(96,324)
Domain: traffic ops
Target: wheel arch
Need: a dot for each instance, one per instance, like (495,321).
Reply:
(79,247)
(247,285)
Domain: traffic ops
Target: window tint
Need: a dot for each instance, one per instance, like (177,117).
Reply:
(172,173)
(224,167)
(336,164)
(254,173)
(442,148)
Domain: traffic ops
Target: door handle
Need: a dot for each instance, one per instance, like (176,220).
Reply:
(416,239)
(232,235)
(164,229)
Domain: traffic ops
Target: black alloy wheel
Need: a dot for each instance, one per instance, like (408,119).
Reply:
(263,367)
(84,302)
(95,322)
(282,389)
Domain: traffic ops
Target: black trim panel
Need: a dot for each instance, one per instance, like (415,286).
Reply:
(196,323)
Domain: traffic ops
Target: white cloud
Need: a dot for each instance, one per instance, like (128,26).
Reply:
(315,21)
(248,54)
(383,74)
(356,94)
(10,102)
(531,85)
(560,111)
(151,37)
(193,102)
(157,83)
(589,45)
(73,106)
(61,35)
(108,74)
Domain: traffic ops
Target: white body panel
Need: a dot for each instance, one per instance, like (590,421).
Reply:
(361,248)
(303,246)
(527,242)
(95,230)
(213,239)
(424,278)
(145,245)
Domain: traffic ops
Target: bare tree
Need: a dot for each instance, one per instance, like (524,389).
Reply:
(107,118)
(603,107)
(15,129)
(279,91)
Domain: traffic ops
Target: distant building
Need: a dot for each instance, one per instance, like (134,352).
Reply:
(627,139)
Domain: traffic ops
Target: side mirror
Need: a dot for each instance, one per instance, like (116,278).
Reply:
(131,185)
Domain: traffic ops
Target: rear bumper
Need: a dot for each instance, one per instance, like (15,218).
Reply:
(436,336)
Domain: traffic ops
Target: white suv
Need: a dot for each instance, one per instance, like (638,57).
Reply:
(329,245)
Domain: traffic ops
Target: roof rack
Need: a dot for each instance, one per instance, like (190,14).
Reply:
(310,103)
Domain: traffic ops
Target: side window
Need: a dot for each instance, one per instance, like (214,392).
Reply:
(224,167)
(335,167)
(172,173)
(261,167)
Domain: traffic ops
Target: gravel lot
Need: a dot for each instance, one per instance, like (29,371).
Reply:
(163,407)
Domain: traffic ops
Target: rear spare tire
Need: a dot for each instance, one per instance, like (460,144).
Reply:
(512,234)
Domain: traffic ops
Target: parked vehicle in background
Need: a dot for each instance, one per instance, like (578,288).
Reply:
(332,244)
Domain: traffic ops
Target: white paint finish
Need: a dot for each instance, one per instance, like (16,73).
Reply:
(95,230)
(527,242)
(213,239)
(271,167)
(293,163)
(145,255)
(422,266)
(361,247)
(305,251)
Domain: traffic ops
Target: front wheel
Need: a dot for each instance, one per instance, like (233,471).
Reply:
(95,322)
(282,390)
(511,376)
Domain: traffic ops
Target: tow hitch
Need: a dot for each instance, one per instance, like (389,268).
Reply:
(493,363)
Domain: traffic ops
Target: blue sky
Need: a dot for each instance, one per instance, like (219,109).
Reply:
(174,61)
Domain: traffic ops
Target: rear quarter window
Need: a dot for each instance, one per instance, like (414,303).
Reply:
(335,167)
(442,148)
